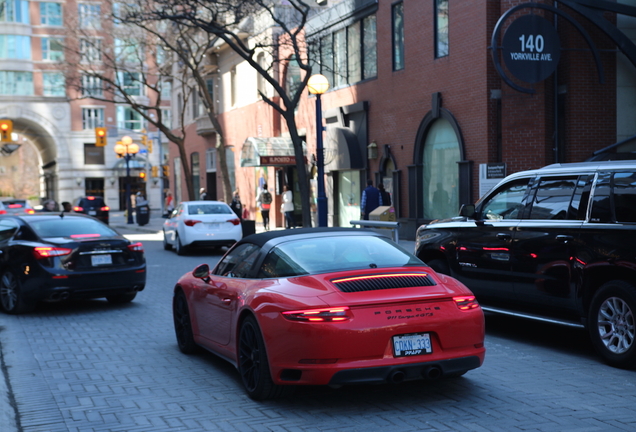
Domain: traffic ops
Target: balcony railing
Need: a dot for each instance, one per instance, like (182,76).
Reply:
(204,126)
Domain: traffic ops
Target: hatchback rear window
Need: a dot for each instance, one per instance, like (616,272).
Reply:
(94,202)
(208,209)
(71,227)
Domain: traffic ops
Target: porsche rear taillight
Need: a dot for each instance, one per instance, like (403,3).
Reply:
(336,314)
(466,302)
(136,247)
(235,221)
(191,222)
(48,252)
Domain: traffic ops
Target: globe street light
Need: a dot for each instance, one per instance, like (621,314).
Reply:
(318,85)
(127,149)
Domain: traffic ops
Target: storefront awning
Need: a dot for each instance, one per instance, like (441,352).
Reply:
(274,151)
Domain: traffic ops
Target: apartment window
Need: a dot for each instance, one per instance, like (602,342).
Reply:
(91,50)
(261,83)
(14,11)
(369,48)
(210,160)
(15,47)
(92,118)
(93,155)
(166,90)
(130,83)
(128,118)
(16,83)
(92,86)
(292,77)
(52,49)
(326,58)
(51,13)
(441,28)
(233,86)
(340,58)
(166,117)
(54,84)
(127,50)
(196,171)
(397,14)
(196,104)
(354,57)
(89,15)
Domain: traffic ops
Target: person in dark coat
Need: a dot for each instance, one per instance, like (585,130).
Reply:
(236,204)
(386,197)
(371,199)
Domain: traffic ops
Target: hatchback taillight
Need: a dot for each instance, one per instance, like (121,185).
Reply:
(105,208)
(191,222)
(136,247)
(48,252)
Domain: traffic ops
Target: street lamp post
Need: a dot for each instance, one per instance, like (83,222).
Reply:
(318,85)
(127,149)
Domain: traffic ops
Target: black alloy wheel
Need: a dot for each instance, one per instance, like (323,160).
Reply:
(122,298)
(253,364)
(183,324)
(12,299)
(612,323)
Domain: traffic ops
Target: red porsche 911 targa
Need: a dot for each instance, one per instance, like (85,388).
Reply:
(328,306)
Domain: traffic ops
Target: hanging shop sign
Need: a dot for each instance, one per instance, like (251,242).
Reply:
(531,48)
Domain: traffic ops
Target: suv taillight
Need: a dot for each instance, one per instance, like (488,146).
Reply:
(105,208)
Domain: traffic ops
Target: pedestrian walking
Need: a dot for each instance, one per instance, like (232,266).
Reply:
(236,205)
(386,197)
(264,202)
(287,208)
(371,199)
(168,204)
(49,206)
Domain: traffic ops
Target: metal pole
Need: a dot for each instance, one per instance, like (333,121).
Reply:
(128,200)
(322,198)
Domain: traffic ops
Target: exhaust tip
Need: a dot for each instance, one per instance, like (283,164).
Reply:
(397,376)
(432,373)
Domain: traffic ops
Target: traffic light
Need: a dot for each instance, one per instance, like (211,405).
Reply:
(6,128)
(144,140)
(142,175)
(100,136)
(155,171)
(166,170)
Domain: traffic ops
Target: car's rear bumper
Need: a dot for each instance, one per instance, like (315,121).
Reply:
(48,286)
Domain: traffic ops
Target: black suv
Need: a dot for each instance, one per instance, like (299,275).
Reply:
(92,206)
(557,244)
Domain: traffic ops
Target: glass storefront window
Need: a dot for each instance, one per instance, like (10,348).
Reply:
(348,197)
(441,173)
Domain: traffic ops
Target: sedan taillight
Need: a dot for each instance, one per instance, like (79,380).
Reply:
(191,222)
(466,302)
(136,247)
(3,212)
(335,314)
(48,252)
(235,221)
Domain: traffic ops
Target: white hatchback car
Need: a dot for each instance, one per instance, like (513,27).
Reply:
(201,224)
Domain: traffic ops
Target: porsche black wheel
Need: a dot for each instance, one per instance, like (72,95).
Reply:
(178,247)
(253,364)
(183,324)
(612,323)
(166,245)
(122,298)
(11,297)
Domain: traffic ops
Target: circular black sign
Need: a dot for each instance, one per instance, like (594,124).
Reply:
(531,48)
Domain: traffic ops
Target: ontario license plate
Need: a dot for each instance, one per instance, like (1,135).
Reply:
(412,344)
(92,212)
(98,260)
(213,226)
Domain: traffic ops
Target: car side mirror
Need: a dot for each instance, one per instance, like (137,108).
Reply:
(202,272)
(467,210)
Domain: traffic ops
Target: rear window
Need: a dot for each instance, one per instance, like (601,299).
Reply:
(330,254)
(208,209)
(72,227)
(94,202)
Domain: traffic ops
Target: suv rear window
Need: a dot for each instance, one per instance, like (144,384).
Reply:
(92,202)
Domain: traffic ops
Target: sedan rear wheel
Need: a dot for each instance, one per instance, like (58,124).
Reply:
(179,248)
(612,323)
(166,245)
(253,364)
(183,324)
(11,297)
